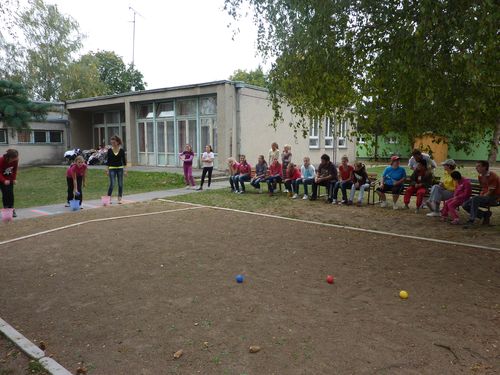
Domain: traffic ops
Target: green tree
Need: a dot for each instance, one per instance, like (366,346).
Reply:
(16,110)
(408,66)
(253,77)
(82,79)
(50,39)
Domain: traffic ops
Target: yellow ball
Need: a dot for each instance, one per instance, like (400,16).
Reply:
(403,294)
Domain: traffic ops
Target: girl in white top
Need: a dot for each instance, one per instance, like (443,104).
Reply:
(274,152)
(207,160)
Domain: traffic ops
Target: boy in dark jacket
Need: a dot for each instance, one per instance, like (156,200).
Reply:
(421,181)
(326,175)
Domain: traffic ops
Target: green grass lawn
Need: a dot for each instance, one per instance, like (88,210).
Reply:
(38,186)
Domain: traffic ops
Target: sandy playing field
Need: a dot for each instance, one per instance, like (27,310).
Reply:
(124,295)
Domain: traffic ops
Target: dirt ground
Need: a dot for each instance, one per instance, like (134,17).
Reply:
(122,296)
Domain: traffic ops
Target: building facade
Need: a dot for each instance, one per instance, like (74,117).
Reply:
(44,143)
(234,118)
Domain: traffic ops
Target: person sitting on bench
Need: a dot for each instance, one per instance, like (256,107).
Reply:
(442,191)
(326,175)
(421,181)
(393,179)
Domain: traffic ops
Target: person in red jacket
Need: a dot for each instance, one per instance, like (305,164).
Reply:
(8,175)
(275,175)
(292,175)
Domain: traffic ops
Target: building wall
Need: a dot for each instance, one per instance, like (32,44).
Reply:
(32,151)
(81,129)
(257,134)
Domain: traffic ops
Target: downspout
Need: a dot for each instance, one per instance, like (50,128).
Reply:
(237,122)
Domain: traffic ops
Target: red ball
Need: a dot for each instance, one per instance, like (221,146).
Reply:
(329,279)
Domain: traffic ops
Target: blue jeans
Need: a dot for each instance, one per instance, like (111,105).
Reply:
(343,185)
(118,174)
(231,182)
(472,206)
(305,182)
(256,182)
(240,179)
(271,181)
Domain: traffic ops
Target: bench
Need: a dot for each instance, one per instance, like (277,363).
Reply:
(252,176)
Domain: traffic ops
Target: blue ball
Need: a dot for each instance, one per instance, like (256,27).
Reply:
(239,279)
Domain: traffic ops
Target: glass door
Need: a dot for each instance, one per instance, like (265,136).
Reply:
(146,143)
(186,130)
(99,136)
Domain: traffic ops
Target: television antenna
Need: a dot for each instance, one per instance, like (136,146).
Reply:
(133,35)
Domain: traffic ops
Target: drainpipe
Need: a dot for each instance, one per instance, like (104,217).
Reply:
(237,122)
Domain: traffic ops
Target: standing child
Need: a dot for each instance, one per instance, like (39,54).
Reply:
(421,181)
(8,175)
(462,192)
(187,157)
(275,175)
(286,158)
(360,182)
(207,160)
(260,173)
(232,167)
(346,177)
(117,162)
(274,152)
(244,172)
(307,174)
(292,175)
(75,179)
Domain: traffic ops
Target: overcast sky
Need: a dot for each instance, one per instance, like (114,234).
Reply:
(177,42)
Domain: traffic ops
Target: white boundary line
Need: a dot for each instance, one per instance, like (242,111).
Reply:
(93,221)
(373,231)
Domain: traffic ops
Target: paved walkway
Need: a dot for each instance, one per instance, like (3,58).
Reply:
(54,209)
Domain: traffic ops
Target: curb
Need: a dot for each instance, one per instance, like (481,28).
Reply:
(31,350)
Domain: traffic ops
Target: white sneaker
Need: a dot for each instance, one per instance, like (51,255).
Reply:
(433,214)
(295,196)
(395,207)
(334,201)
(383,204)
(188,187)
(285,191)
(305,197)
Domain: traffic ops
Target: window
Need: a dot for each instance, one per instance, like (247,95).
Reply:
(24,136)
(314,134)
(392,140)
(112,117)
(145,111)
(40,136)
(55,137)
(98,118)
(165,109)
(209,132)
(208,105)
(186,107)
(361,140)
(329,124)
(342,142)
(3,136)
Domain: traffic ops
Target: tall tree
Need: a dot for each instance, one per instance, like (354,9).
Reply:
(49,41)
(255,77)
(16,110)
(415,65)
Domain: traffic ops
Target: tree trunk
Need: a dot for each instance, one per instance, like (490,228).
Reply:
(492,157)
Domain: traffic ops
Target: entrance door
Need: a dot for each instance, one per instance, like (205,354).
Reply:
(147,154)
(186,130)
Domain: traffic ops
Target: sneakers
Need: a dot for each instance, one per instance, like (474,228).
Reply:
(406,207)
(486,218)
(14,213)
(67,205)
(455,222)
(383,204)
(334,201)
(236,192)
(305,197)
(395,207)
(285,191)
(241,192)
(188,187)
(199,189)
(433,214)
(295,196)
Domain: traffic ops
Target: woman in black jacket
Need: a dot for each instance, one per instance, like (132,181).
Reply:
(117,162)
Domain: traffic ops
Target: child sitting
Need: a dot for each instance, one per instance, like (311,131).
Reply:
(292,175)
(260,173)
(244,172)
(232,166)
(307,173)
(345,182)
(462,193)
(360,182)
(275,175)
(421,181)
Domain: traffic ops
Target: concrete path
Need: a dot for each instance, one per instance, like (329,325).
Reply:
(54,209)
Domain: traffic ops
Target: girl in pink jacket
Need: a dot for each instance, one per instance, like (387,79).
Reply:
(463,191)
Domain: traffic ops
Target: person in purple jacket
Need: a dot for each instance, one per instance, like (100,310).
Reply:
(187,163)
(463,191)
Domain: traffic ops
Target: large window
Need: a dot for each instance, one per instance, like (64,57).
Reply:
(40,136)
(186,107)
(165,109)
(314,134)
(145,111)
(329,133)
(3,136)
(208,105)
(342,141)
